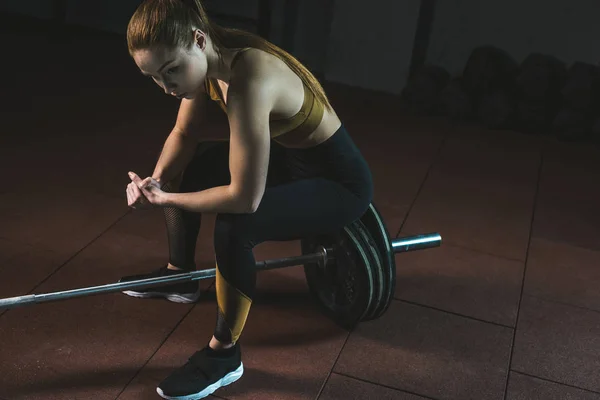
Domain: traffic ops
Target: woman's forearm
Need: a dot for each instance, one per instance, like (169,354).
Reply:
(176,154)
(219,199)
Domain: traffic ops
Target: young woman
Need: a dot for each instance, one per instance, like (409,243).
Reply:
(287,169)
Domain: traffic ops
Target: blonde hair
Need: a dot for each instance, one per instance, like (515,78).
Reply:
(170,23)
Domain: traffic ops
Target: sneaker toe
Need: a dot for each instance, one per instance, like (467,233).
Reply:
(183,382)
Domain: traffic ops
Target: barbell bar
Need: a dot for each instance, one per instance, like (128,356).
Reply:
(401,245)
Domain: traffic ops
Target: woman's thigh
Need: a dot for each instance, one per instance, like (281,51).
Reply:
(298,209)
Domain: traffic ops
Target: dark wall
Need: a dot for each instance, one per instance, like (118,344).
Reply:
(370,43)
(568,30)
(350,41)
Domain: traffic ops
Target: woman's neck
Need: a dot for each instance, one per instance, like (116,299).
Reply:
(220,67)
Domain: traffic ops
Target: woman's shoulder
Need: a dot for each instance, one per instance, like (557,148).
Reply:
(252,62)
(255,79)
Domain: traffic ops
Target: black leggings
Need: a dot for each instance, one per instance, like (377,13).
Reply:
(309,191)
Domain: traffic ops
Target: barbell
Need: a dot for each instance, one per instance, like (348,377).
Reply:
(351,274)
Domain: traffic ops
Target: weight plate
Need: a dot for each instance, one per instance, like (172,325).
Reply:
(375,226)
(379,275)
(343,289)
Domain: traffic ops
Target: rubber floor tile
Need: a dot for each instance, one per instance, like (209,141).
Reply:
(523,387)
(461,281)
(341,387)
(559,343)
(563,273)
(94,162)
(10,248)
(429,353)
(57,219)
(569,194)
(23,267)
(480,193)
(399,160)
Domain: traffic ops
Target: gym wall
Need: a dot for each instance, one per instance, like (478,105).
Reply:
(385,28)
(370,43)
(567,30)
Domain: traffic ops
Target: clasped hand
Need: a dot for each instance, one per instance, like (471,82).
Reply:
(143,194)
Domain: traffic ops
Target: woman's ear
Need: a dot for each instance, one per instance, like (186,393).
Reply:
(200,38)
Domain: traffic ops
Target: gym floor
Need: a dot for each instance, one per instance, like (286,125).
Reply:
(507,308)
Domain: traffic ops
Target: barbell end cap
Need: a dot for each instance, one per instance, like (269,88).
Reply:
(417,242)
(12,302)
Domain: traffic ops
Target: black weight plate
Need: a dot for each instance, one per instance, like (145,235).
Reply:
(343,290)
(379,275)
(374,224)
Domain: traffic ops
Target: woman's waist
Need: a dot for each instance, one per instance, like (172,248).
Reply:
(337,157)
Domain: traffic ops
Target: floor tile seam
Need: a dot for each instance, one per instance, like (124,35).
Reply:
(552,381)
(527,252)
(167,337)
(422,185)
(456,314)
(322,388)
(565,243)
(385,386)
(69,259)
(562,303)
(474,250)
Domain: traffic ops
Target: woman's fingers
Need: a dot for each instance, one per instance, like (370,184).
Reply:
(137,197)
(136,191)
(130,196)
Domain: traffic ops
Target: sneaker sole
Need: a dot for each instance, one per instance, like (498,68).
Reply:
(226,380)
(174,297)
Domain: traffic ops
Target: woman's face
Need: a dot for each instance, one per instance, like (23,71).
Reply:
(179,72)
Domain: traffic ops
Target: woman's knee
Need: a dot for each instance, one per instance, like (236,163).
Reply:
(208,168)
(232,231)
(367,192)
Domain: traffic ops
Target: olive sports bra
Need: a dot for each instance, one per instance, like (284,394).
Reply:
(304,122)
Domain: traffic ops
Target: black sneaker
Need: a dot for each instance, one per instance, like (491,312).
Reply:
(202,375)
(184,292)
